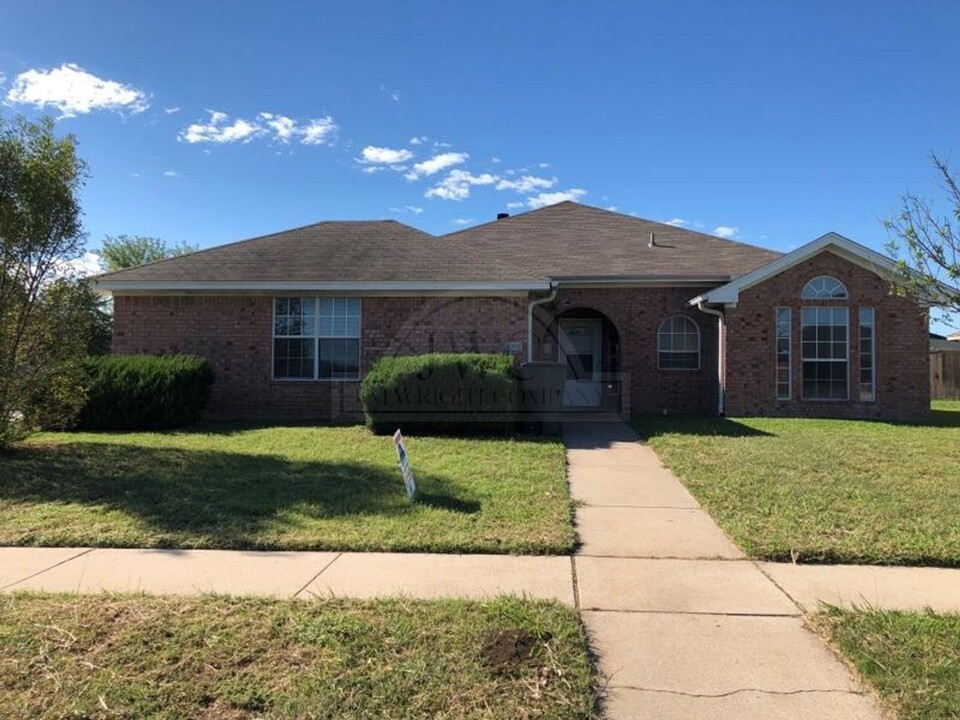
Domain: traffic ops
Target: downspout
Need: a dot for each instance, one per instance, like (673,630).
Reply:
(720,355)
(532,304)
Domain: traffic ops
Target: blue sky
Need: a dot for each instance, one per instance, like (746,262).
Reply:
(770,122)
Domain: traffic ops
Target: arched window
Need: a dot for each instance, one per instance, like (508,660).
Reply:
(678,344)
(824,288)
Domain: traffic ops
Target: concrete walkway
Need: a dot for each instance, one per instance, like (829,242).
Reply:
(285,574)
(684,625)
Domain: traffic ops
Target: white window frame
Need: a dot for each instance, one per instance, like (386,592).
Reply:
(873,354)
(810,292)
(776,353)
(678,352)
(316,337)
(846,359)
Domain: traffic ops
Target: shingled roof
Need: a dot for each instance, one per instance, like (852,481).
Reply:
(562,241)
(569,240)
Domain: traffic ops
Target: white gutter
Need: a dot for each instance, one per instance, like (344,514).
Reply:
(720,356)
(108,284)
(532,304)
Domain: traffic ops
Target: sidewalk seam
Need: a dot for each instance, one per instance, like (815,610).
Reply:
(576,583)
(47,569)
(715,613)
(319,573)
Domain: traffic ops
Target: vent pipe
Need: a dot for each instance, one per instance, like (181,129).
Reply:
(653,240)
(502,216)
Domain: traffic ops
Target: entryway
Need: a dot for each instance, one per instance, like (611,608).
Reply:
(579,345)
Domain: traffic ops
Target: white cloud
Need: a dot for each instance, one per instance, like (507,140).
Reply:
(527,184)
(407,209)
(677,222)
(219,130)
(456,185)
(462,221)
(73,91)
(280,128)
(612,208)
(84,266)
(495,160)
(552,198)
(392,94)
(318,131)
(418,139)
(543,166)
(384,156)
(726,231)
(171,110)
(134,174)
(436,164)
(438,144)
(514,205)
(171,174)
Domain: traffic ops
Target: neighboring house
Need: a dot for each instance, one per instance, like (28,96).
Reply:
(647,317)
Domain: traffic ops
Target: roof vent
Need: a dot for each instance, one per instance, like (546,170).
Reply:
(653,241)
(502,216)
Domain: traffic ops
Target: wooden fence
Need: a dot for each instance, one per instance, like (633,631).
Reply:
(945,375)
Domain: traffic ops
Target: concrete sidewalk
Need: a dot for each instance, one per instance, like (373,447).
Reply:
(684,625)
(285,574)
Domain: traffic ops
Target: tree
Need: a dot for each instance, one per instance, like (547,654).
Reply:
(930,239)
(43,334)
(126,251)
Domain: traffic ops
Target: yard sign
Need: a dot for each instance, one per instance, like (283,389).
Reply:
(405,465)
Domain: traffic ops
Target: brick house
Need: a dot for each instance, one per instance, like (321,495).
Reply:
(647,317)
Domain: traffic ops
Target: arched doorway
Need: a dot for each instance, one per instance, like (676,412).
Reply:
(588,344)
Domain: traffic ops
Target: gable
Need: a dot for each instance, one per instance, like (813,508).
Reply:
(879,266)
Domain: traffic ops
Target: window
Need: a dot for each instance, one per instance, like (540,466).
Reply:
(824,288)
(678,344)
(823,336)
(868,388)
(784,359)
(339,338)
(294,333)
(316,338)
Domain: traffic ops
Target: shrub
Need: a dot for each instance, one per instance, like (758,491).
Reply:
(441,393)
(144,392)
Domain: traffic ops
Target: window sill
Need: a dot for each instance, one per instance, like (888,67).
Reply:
(315,380)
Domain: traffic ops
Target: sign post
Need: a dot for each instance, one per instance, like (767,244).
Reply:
(405,465)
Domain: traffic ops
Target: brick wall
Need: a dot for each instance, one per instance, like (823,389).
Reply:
(234,333)
(902,346)
(636,313)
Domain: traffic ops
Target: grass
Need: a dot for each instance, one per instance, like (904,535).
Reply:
(829,491)
(218,658)
(284,488)
(912,658)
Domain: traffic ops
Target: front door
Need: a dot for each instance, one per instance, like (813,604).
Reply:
(580,350)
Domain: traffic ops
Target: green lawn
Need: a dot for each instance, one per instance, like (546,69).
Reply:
(291,488)
(830,491)
(221,658)
(913,659)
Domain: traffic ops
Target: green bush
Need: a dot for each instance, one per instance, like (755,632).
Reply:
(441,393)
(144,392)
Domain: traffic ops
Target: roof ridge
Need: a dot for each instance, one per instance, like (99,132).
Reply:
(514,217)
(260,237)
(612,212)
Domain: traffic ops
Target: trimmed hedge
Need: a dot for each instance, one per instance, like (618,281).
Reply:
(441,393)
(144,392)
